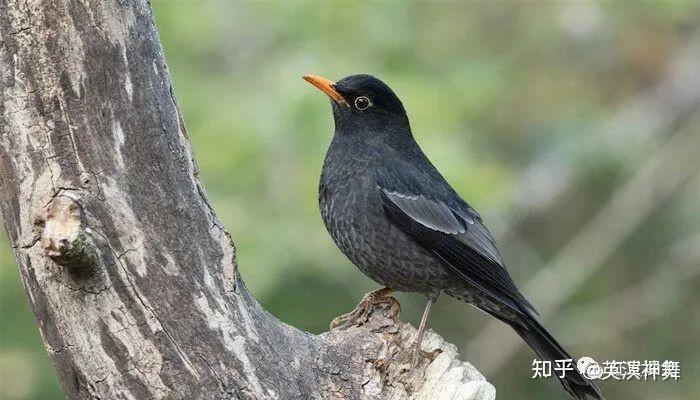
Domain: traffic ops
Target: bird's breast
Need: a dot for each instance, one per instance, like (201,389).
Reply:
(352,212)
(350,205)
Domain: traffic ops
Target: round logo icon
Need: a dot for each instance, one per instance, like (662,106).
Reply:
(589,368)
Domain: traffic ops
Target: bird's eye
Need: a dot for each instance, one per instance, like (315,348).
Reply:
(362,103)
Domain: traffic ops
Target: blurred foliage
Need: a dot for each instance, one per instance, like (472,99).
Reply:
(492,89)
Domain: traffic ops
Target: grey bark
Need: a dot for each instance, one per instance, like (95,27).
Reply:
(131,277)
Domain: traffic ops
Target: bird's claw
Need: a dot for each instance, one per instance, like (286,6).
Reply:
(430,355)
(361,313)
(414,356)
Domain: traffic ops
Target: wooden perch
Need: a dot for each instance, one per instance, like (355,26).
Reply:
(131,277)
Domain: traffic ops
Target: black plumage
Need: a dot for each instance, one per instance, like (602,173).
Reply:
(397,219)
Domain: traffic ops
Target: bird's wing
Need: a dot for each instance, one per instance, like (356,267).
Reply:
(433,215)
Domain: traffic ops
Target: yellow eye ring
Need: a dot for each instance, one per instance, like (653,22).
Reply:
(362,103)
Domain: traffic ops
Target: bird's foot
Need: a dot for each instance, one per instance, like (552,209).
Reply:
(430,355)
(364,309)
(413,356)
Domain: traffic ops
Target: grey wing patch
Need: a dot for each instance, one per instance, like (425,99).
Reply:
(480,239)
(468,249)
(435,215)
(431,214)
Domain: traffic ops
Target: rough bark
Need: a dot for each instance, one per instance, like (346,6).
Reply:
(131,277)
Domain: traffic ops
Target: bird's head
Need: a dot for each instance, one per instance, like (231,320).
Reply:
(363,104)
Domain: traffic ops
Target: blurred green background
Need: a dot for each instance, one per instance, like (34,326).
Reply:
(565,124)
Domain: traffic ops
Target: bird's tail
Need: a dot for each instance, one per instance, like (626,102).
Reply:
(548,349)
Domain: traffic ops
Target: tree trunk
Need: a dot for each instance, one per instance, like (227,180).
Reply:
(131,277)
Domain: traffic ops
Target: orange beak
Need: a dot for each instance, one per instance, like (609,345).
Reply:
(327,87)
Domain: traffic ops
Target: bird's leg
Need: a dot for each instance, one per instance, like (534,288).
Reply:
(416,348)
(361,312)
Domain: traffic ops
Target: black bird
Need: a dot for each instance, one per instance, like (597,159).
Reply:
(395,217)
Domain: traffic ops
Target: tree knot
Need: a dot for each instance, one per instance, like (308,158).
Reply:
(64,237)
